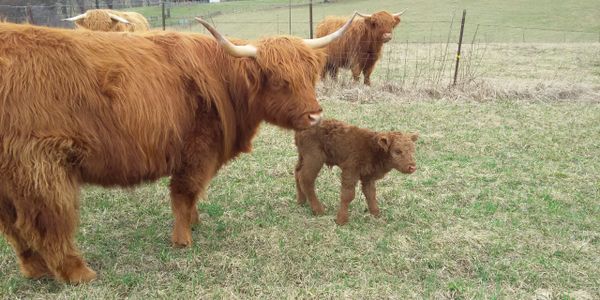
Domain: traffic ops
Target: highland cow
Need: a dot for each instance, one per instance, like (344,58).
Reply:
(362,155)
(110,20)
(84,107)
(360,48)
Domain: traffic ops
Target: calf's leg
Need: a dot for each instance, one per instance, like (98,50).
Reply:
(347,195)
(368,189)
(306,176)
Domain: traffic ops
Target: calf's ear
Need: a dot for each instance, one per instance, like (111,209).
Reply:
(384,141)
(414,137)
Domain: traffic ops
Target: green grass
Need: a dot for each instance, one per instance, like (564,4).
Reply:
(424,21)
(505,203)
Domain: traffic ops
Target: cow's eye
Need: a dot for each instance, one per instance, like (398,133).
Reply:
(397,152)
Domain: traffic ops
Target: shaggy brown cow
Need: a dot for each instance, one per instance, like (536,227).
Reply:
(362,155)
(360,48)
(85,107)
(110,20)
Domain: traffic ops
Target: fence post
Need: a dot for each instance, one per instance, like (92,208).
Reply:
(462,27)
(290,16)
(162,4)
(29,14)
(97,4)
(310,17)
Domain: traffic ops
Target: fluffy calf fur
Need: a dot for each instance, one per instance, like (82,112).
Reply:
(119,109)
(362,155)
(360,47)
(99,20)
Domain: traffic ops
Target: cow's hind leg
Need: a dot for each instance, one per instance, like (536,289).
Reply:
(186,186)
(46,205)
(31,263)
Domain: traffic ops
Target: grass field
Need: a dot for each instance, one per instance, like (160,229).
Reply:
(505,203)
(424,21)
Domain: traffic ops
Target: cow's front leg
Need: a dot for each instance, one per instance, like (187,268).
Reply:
(186,187)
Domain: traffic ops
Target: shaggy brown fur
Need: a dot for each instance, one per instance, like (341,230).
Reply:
(361,154)
(99,20)
(360,47)
(83,107)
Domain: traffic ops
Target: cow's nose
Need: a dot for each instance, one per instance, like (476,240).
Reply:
(412,169)
(315,118)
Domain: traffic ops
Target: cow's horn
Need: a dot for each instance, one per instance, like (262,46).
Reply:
(324,41)
(363,15)
(233,50)
(399,14)
(118,19)
(75,18)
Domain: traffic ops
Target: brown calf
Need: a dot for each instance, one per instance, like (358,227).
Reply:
(362,154)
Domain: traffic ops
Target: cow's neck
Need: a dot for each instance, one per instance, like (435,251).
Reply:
(247,115)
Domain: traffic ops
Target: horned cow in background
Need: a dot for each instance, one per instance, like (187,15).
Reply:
(81,107)
(110,20)
(360,48)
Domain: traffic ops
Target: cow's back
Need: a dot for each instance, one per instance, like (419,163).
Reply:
(114,96)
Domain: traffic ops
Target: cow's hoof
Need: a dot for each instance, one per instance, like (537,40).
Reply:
(34,267)
(182,236)
(78,275)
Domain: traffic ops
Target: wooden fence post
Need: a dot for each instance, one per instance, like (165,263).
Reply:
(462,27)
(29,13)
(310,17)
(162,3)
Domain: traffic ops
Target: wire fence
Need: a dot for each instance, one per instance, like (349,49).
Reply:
(245,19)
(421,52)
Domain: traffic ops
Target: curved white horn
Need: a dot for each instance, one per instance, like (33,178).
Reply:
(324,41)
(233,50)
(399,14)
(75,18)
(118,19)
(363,15)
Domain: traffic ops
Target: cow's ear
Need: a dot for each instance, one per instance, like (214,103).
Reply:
(384,141)
(370,21)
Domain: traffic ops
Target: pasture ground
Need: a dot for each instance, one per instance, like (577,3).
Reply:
(505,203)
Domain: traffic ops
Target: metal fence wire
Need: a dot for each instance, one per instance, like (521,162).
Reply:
(282,18)
(421,51)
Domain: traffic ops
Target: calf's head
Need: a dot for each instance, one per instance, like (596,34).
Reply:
(284,75)
(381,24)
(399,150)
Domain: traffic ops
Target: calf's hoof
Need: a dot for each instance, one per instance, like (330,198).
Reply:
(341,220)
(319,210)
